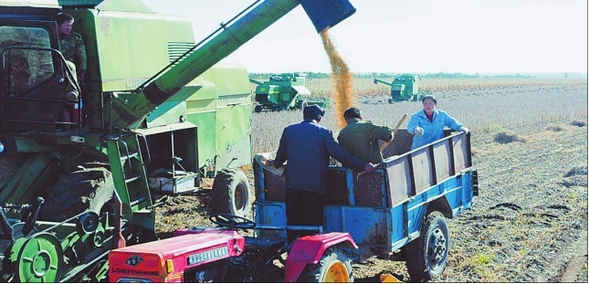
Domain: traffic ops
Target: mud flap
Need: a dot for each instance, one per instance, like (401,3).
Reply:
(309,249)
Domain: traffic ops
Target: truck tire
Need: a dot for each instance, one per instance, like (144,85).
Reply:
(427,255)
(231,193)
(258,108)
(77,191)
(334,266)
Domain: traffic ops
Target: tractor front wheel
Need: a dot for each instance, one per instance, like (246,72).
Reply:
(231,193)
(427,255)
(334,266)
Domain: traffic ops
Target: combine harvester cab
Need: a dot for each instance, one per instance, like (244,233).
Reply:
(402,206)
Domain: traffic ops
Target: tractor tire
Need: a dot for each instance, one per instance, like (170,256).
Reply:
(231,193)
(73,193)
(302,104)
(427,255)
(334,266)
(258,109)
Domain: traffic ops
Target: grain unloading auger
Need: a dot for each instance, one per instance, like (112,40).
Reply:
(77,155)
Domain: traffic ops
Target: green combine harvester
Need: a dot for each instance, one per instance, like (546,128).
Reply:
(286,91)
(404,88)
(156,112)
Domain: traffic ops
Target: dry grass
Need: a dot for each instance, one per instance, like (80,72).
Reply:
(366,86)
(554,128)
(507,137)
(578,123)
(575,171)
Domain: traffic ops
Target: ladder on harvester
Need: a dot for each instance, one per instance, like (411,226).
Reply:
(127,164)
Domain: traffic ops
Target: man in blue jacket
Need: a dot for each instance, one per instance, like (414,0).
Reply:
(307,146)
(427,124)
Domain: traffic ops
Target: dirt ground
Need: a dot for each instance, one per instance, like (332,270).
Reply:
(529,223)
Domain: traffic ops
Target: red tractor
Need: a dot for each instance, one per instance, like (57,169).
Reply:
(221,254)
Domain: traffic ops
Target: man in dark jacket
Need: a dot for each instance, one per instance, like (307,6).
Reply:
(307,146)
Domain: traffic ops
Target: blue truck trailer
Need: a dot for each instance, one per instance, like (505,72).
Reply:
(398,212)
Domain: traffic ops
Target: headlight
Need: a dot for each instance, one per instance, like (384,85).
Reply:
(1,147)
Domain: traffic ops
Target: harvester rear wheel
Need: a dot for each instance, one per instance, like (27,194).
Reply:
(334,266)
(231,193)
(427,255)
(88,187)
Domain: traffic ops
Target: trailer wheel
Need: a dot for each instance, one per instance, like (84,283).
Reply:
(231,193)
(334,266)
(427,255)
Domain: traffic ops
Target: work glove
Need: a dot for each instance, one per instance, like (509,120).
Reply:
(418,131)
(464,129)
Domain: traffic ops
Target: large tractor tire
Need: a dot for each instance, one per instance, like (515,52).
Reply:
(427,255)
(89,187)
(334,266)
(231,193)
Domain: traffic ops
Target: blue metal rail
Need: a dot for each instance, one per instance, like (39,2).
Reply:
(383,211)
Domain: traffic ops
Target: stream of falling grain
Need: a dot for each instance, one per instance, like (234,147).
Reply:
(342,79)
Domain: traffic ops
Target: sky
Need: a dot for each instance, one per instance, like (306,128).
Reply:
(416,36)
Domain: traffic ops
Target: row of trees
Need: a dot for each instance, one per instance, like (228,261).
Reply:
(315,75)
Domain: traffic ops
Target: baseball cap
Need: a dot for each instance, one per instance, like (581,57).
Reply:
(313,111)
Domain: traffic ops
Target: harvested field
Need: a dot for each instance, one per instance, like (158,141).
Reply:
(529,223)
